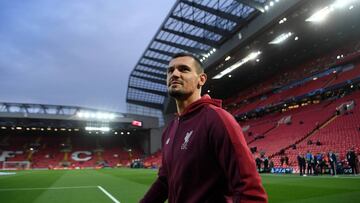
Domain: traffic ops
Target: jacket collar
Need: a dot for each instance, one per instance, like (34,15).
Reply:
(204,100)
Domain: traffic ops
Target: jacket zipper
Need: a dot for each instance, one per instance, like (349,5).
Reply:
(172,152)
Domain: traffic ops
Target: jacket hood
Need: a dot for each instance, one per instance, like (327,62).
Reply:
(204,100)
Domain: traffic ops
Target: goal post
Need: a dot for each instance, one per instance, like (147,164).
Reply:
(16,165)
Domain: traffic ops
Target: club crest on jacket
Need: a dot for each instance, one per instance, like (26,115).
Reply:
(186,140)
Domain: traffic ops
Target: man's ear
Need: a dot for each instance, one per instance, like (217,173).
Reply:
(202,79)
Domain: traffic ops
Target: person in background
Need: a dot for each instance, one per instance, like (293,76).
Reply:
(351,158)
(309,160)
(332,162)
(302,163)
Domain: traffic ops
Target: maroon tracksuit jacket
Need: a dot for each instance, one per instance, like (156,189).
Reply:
(205,159)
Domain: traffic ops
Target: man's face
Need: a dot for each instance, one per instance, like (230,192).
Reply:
(183,78)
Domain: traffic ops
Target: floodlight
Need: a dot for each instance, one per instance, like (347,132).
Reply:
(80,114)
(281,38)
(102,129)
(342,3)
(320,15)
(251,56)
(86,115)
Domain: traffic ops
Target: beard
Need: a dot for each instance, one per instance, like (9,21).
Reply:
(178,94)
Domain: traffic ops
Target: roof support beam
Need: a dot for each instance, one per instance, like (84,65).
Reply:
(158,81)
(253,4)
(147,104)
(213,11)
(156,60)
(210,28)
(184,47)
(202,40)
(163,76)
(153,67)
(150,91)
(169,54)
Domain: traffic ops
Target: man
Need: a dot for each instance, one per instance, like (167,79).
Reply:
(266,164)
(302,163)
(314,164)
(309,162)
(204,154)
(258,162)
(320,160)
(333,163)
(351,158)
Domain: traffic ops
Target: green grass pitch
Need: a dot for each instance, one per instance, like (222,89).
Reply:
(129,185)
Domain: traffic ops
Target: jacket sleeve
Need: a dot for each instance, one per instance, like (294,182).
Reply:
(236,160)
(158,191)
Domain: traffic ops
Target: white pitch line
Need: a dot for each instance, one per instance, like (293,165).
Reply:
(108,194)
(46,188)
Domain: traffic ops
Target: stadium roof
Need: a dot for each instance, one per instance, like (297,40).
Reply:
(195,26)
(12,114)
(209,30)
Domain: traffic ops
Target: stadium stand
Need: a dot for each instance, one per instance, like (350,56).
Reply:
(338,135)
(288,131)
(49,151)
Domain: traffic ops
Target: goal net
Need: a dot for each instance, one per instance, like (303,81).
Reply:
(16,165)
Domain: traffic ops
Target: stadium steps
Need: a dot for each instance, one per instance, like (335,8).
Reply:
(328,122)
(267,131)
(330,81)
(312,132)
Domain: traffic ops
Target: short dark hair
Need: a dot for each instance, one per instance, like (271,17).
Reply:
(183,54)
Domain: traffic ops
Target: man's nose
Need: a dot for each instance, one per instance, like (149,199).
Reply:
(175,73)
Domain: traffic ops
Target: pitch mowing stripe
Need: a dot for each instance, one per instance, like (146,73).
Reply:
(108,194)
(46,188)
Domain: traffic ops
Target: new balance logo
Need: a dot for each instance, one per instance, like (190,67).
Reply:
(186,140)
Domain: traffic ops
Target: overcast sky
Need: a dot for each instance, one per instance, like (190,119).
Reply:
(74,52)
